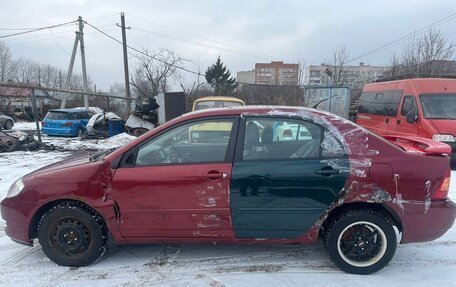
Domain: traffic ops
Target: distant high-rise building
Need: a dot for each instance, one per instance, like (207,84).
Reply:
(352,76)
(276,73)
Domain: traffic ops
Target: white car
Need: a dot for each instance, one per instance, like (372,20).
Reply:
(291,131)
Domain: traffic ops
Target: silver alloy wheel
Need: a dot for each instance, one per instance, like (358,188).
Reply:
(368,246)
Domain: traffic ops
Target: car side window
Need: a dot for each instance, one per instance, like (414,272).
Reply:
(272,139)
(197,142)
(74,116)
(408,105)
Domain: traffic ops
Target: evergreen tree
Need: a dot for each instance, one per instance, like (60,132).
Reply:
(219,77)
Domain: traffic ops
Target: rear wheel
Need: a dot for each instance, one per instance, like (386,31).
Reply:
(70,235)
(361,241)
(80,133)
(8,125)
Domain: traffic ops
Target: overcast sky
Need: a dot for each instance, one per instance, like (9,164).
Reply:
(250,31)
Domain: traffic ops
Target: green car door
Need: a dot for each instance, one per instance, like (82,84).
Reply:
(281,181)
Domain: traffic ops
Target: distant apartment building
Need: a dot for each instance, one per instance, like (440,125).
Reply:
(352,76)
(246,77)
(276,73)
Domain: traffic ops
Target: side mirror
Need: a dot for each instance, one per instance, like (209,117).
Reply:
(412,117)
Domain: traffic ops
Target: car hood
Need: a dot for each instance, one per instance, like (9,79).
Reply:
(67,163)
(444,126)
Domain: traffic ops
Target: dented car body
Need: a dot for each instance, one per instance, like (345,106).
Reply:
(342,182)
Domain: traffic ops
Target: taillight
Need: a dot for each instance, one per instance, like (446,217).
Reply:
(67,124)
(43,124)
(287,133)
(442,192)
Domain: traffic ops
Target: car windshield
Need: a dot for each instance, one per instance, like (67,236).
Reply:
(56,116)
(215,104)
(439,106)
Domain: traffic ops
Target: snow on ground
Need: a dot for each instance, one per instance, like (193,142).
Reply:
(24,126)
(75,144)
(423,264)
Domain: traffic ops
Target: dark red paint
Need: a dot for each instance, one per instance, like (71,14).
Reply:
(381,174)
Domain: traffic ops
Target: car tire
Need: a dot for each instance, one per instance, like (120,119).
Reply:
(361,241)
(70,235)
(79,133)
(8,125)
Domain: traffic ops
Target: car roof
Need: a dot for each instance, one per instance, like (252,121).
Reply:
(68,110)
(219,98)
(259,110)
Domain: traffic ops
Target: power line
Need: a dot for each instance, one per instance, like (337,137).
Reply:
(245,51)
(37,29)
(57,43)
(194,43)
(143,53)
(406,37)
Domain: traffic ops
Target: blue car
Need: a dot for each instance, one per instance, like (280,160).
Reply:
(66,122)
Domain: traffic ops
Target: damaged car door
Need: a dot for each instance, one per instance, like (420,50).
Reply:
(284,181)
(176,185)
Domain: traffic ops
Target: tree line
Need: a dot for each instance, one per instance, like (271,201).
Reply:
(154,72)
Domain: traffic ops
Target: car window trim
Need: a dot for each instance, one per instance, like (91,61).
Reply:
(241,135)
(228,154)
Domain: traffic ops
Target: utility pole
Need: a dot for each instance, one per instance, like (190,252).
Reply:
(78,39)
(83,62)
(70,69)
(125,56)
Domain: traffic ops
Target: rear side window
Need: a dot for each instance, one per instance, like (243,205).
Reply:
(56,116)
(275,139)
(382,103)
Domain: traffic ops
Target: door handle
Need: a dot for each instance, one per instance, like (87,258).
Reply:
(398,122)
(327,171)
(387,120)
(214,175)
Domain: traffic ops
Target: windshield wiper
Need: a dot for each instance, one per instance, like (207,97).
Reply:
(97,155)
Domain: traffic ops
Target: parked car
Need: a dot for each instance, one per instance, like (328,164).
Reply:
(417,107)
(291,131)
(344,184)
(66,122)
(6,122)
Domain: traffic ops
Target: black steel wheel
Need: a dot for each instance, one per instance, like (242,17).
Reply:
(8,125)
(361,241)
(71,236)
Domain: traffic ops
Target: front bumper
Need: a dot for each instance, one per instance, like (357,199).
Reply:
(17,215)
(421,225)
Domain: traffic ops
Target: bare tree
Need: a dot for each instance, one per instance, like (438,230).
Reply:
(302,63)
(153,71)
(339,60)
(196,88)
(424,55)
(5,62)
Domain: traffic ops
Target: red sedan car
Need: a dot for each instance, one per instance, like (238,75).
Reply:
(237,175)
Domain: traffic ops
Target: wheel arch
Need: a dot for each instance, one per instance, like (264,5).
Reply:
(378,207)
(36,219)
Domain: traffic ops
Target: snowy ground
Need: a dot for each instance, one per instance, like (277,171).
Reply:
(424,264)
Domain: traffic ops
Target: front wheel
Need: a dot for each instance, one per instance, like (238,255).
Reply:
(71,236)
(80,133)
(361,241)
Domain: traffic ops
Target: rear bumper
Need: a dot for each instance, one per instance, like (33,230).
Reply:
(59,131)
(420,225)
(17,214)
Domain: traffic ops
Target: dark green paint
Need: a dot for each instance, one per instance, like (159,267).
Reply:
(281,199)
